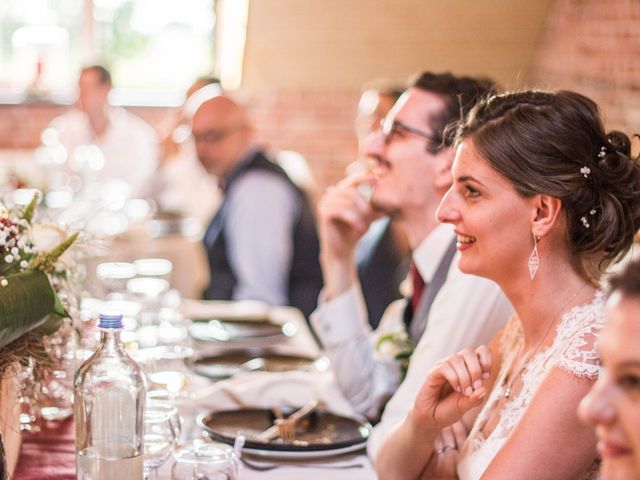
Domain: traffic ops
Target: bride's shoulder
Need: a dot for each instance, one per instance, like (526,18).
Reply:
(577,338)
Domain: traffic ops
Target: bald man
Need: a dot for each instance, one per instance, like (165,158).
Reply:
(262,244)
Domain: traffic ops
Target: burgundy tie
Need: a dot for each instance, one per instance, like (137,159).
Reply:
(418,286)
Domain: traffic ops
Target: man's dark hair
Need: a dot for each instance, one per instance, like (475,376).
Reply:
(459,94)
(104,77)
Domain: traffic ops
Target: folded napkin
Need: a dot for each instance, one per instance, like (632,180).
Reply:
(274,389)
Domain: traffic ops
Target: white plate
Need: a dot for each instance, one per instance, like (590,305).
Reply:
(231,332)
(305,455)
(223,310)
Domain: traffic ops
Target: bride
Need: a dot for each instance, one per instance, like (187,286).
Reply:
(543,200)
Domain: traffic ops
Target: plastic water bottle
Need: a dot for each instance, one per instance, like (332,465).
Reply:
(110,391)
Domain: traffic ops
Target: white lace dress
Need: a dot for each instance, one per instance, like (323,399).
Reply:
(573,350)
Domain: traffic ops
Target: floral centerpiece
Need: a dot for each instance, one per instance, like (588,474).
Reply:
(32,282)
(29,305)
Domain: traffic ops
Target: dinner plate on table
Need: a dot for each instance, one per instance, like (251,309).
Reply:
(204,310)
(319,434)
(228,363)
(241,330)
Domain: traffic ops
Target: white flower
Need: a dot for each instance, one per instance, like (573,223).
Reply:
(24,264)
(4,282)
(8,258)
(46,237)
(15,251)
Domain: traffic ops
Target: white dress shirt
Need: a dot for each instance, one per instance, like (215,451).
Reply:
(466,312)
(262,209)
(129,145)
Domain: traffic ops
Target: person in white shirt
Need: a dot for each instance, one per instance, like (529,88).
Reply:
(129,146)
(413,154)
(180,184)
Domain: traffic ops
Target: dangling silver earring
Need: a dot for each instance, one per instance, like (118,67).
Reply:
(534,258)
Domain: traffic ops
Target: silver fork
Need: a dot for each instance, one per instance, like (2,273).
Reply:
(287,426)
(264,467)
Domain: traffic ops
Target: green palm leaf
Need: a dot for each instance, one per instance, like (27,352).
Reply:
(26,304)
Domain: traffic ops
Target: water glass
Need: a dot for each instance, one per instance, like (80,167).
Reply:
(210,461)
(113,276)
(159,439)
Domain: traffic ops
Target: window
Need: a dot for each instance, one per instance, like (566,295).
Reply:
(154,48)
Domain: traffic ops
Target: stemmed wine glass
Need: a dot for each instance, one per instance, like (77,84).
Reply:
(160,437)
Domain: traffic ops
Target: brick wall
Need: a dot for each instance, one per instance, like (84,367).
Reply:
(593,47)
(21,125)
(319,125)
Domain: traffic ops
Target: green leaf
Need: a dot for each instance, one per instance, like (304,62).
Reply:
(31,208)
(25,304)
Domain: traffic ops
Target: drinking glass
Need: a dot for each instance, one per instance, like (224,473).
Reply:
(166,370)
(159,405)
(210,461)
(113,277)
(154,267)
(159,439)
(29,412)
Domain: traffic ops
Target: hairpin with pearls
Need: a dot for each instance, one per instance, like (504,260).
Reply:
(603,152)
(585,171)
(585,220)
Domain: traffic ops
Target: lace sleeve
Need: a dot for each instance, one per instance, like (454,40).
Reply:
(579,355)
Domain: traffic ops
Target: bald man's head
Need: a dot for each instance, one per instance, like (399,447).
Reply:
(222,134)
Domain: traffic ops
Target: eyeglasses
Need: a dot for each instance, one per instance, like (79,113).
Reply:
(391,127)
(214,135)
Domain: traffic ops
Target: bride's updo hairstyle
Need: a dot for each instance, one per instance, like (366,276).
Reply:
(555,144)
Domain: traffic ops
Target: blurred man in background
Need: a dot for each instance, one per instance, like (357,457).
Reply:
(262,243)
(128,145)
(181,185)
(382,254)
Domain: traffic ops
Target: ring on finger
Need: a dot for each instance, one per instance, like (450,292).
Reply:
(445,448)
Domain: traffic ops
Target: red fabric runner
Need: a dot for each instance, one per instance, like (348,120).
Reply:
(48,455)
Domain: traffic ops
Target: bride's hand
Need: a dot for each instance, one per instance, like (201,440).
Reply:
(454,386)
(444,459)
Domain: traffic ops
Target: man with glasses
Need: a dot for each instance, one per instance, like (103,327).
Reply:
(449,310)
(262,243)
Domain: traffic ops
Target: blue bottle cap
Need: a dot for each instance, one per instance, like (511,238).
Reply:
(110,320)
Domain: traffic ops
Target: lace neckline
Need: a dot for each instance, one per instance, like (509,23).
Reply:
(520,399)
(573,349)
